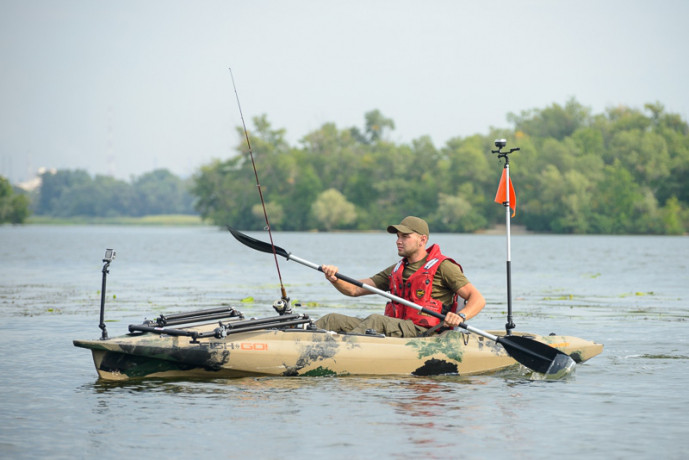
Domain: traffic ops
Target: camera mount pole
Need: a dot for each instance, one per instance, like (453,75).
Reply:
(109,256)
(500,144)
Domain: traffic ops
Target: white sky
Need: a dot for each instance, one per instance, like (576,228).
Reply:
(124,87)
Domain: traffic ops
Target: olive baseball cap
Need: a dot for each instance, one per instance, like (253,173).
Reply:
(410,224)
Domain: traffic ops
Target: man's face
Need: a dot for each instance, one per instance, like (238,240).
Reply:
(409,243)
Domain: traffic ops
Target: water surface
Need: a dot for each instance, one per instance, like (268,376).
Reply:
(626,292)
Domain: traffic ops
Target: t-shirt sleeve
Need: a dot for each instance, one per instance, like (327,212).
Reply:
(452,276)
(382,279)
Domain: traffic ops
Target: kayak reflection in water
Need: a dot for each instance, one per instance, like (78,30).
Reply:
(424,276)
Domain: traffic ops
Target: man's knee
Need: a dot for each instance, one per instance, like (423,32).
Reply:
(337,322)
(324,321)
(375,317)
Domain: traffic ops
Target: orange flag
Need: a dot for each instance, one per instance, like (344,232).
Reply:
(501,196)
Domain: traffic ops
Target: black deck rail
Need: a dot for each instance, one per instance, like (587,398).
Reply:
(160,325)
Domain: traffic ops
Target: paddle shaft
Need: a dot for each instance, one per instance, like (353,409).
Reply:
(393,297)
(533,354)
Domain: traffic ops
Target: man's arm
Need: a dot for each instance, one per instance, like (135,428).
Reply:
(474,304)
(344,287)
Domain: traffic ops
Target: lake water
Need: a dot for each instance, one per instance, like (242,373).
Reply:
(628,292)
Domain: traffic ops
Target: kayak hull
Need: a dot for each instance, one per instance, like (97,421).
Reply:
(308,352)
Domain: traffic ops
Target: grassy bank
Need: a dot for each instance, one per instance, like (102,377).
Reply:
(166,219)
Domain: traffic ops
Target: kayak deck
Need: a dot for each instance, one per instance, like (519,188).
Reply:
(292,346)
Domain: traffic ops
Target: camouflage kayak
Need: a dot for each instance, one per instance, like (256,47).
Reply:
(290,345)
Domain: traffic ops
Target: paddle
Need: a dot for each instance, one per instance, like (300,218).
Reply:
(535,355)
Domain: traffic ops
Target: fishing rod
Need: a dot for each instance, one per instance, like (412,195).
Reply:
(505,182)
(282,305)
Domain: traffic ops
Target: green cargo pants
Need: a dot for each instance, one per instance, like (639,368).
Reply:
(391,327)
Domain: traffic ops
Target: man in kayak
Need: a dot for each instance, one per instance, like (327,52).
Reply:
(424,276)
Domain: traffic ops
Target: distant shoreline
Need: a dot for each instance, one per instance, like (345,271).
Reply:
(500,229)
(182,220)
(162,220)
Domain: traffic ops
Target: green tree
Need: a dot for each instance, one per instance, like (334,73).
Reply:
(225,194)
(14,206)
(305,185)
(456,214)
(556,122)
(615,201)
(54,185)
(331,210)
(376,126)
(161,192)
(675,132)
(276,215)
(672,217)
(102,196)
(467,171)
(226,191)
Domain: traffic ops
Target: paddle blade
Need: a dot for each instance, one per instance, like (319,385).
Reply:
(535,355)
(258,245)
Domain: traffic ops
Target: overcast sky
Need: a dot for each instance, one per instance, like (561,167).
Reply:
(125,87)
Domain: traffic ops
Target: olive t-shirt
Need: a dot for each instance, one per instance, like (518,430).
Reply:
(446,282)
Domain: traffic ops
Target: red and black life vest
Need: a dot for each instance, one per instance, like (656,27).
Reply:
(417,289)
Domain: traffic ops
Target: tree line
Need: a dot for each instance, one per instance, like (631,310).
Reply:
(622,171)
(72,193)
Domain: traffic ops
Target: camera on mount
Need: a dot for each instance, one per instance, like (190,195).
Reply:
(109,255)
(500,143)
